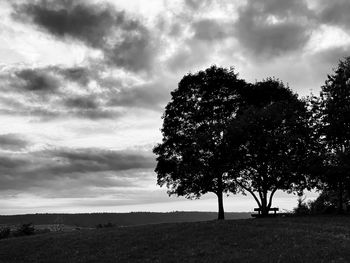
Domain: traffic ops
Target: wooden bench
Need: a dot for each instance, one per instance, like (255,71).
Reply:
(274,209)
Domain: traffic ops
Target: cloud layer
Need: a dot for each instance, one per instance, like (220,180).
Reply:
(274,27)
(124,41)
(82,169)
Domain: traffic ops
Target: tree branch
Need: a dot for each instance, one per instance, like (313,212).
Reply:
(271,195)
(250,191)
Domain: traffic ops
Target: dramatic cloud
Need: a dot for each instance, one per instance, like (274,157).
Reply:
(36,80)
(197,4)
(82,75)
(13,142)
(47,93)
(91,167)
(80,160)
(77,92)
(273,27)
(211,30)
(149,96)
(192,53)
(82,103)
(336,13)
(124,41)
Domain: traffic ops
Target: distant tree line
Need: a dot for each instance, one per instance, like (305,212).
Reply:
(224,135)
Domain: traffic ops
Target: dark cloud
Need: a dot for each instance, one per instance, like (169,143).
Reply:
(197,4)
(149,96)
(191,54)
(325,61)
(46,94)
(11,164)
(84,102)
(73,169)
(274,27)
(36,80)
(94,114)
(90,24)
(89,160)
(13,142)
(330,57)
(335,13)
(124,41)
(135,52)
(53,96)
(211,29)
(81,75)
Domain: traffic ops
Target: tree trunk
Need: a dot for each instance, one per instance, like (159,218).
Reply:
(266,202)
(221,212)
(340,198)
(264,206)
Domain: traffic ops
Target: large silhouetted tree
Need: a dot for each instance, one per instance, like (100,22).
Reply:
(333,107)
(193,157)
(275,140)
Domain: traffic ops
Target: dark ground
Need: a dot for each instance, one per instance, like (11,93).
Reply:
(290,239)
(118,219)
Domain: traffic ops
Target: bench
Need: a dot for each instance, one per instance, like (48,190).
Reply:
(274,209)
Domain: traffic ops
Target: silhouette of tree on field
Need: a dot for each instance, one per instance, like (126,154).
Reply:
(193,158)
(333,118)
(275,138)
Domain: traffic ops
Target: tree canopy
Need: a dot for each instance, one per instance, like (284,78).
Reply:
(333,118)
(193,156)
(274,138)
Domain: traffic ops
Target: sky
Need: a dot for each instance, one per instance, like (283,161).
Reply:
(84,85)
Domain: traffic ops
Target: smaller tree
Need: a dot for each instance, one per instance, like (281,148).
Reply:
(274,136)
(333,109)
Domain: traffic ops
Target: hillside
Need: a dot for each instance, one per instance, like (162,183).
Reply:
(118,219)
(303,239)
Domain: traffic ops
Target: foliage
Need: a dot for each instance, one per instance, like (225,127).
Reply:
(327,202)
(5,232)
(302,208)
(333,108)
(109,224)
(25,230)
(193,156)
(275,141)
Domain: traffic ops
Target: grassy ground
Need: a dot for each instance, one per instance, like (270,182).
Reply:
(118,219)
(300,239)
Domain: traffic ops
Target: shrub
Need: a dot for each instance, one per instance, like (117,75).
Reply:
(25,230)
(42,231)
(4,232)
(109,224)
(302,208)
(327,202)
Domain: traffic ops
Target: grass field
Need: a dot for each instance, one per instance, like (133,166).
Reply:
(291,239)
(117,219)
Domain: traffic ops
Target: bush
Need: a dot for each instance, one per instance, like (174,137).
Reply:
(42,231)
(303,208)
(25,230)
(4,232)
(327,203)
(109,224)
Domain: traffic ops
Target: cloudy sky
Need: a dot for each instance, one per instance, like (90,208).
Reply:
(84,84)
